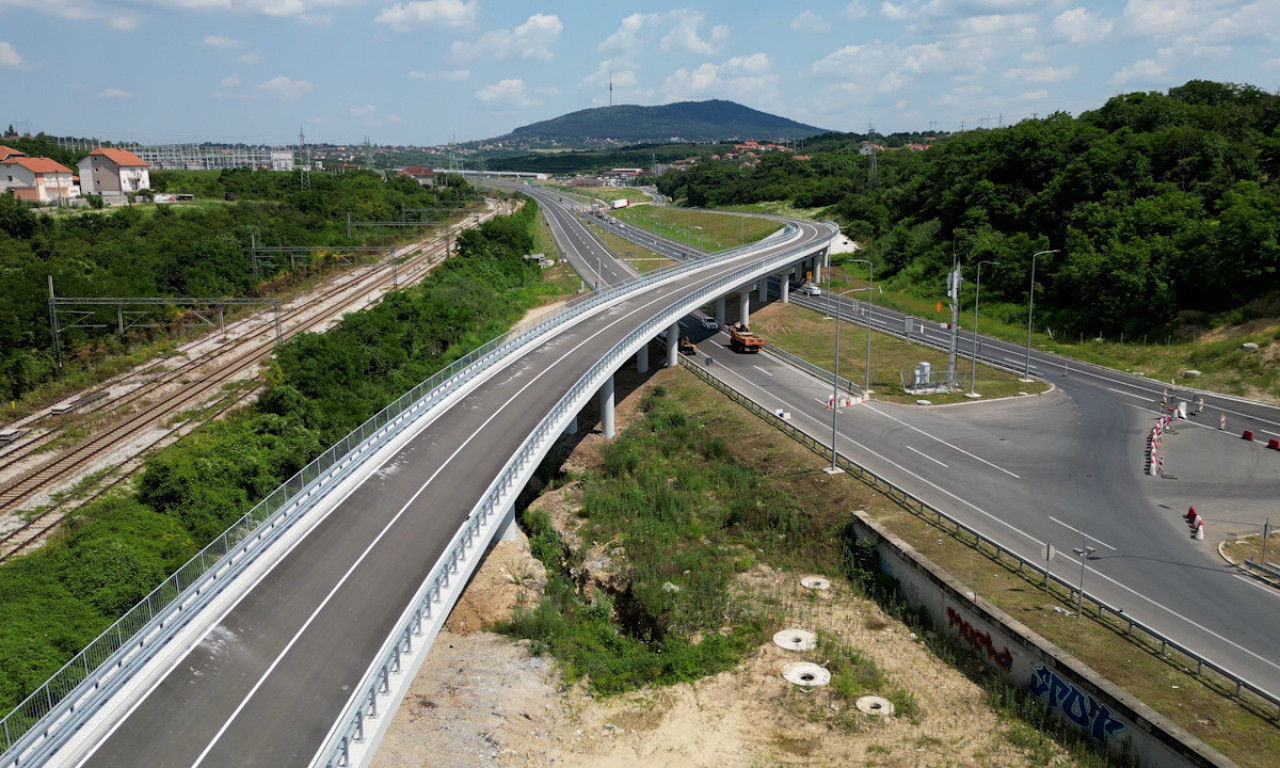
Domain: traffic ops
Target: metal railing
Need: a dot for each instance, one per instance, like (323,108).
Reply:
(505,486)
(1227,682)
(63,703)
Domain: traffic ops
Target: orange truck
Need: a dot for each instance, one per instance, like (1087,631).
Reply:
(741,339)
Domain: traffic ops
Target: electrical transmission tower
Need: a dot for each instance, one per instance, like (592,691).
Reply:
(304,161)
(453,156)
(368,153)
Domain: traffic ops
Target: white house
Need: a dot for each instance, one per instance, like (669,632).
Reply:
(38,179)
(106,171)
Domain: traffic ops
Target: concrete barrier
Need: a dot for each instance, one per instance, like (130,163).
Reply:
(1064,684)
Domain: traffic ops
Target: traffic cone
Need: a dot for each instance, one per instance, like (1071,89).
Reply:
(1191,513)
(1200,531)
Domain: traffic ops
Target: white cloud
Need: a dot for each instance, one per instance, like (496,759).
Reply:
(115,93)
(1078,26)
(531,40)
(740,77)
(220,41)
(1042,74)
(505,94)
(9,57)
(1033,95)
(250,58)
(854,10)
(1146,70)
(1271,64)
(302,10)
(80,10)
(285,88)
(808,21)
(628,37)
(683,37)
(230,81)
(364,111)
(417,74)
(895,12)
(429,13)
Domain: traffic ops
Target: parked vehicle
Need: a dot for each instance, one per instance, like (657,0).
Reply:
(710,324)
(811,290)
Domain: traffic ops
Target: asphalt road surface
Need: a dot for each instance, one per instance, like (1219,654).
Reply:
(265,685)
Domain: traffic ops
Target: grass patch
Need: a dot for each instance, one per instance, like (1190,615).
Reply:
(697,228)
(809,335)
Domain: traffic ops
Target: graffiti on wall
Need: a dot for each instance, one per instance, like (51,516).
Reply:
(979,640)
(1078,707)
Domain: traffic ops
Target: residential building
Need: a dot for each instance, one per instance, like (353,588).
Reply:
(107,171)
(424,176)
(37,179)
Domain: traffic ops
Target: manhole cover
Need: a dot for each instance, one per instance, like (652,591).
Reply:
(874,705)
(795,640)
(815,582)
(806,674)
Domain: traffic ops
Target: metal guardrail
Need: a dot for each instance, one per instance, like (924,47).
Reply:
(810,368)
(1267,567)
(63,703)
(509,482)
(1267,703)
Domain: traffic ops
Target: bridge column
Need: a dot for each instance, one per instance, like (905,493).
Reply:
(572,428)
(720,310)
(744,307)
(507,529)
(642,359)
(673,345)
(785,280)
(606,408)
(764,289)
(817,269)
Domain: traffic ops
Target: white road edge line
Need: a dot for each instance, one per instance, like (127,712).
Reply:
(1094,539)
(944,442)
(927,456)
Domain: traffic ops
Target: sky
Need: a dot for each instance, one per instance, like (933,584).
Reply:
(423,72)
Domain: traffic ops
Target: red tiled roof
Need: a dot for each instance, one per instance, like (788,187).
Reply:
(119,156)
(10,152)
(417,170)
(38,164)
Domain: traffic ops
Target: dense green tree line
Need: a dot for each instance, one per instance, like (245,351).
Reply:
(321,386)
(175,251)
(1159,203)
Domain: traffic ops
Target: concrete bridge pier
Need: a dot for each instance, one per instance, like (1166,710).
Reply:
(720,310)
(817,268)
(785,280)
(507,529)
(673,344)
(764,289)
(642,359)
(572,428)
(606,408)
(744,307)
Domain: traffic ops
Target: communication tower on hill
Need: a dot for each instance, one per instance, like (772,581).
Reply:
(871,145)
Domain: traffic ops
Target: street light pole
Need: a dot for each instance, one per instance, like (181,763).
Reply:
(866,383)
(835,374)
(977,292)
(1082,553)
(1031,306)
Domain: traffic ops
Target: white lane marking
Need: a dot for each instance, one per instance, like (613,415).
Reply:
(758,368)
(712,273)
(1022,362)
(1092,538)
(1029,537)
(347,574)
(927,456)
(1140,396)
(944,442)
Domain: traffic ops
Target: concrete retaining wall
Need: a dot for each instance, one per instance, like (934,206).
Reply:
(1064,684)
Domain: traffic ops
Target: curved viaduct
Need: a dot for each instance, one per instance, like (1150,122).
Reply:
(295,661)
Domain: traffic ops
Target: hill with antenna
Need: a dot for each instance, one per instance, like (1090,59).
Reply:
(682,122)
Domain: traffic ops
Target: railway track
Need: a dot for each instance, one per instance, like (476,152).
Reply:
(128,416)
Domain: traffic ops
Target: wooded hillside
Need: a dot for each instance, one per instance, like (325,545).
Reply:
(1161,204)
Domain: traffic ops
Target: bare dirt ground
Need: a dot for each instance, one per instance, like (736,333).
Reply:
(483,700)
